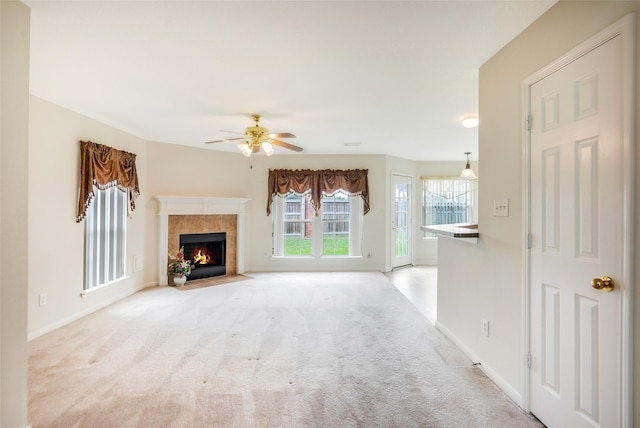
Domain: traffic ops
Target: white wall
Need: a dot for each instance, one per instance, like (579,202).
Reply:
(486,280)
(56,241)
(14,119)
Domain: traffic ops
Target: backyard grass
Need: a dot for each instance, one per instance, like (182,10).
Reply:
(333,245)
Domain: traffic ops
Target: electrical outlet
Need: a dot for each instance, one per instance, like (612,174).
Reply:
(138,262)
(43,299)
(485,327)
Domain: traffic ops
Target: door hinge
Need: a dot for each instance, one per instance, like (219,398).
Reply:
(528,360)
(529,241)
(529,123)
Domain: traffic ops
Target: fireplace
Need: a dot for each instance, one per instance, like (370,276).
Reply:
(207,252)
(178,215)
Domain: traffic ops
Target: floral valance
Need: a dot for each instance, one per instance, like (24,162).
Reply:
(353,182)
(105,167)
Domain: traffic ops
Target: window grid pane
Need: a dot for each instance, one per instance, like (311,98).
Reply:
(401,220)
(298,216)
(335,231)
(336,217)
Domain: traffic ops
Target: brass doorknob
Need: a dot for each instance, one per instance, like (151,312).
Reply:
(605,283)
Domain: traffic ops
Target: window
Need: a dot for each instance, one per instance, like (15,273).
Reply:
(336,231)
(298,225)
(105,233)
(446,200)
(336,212)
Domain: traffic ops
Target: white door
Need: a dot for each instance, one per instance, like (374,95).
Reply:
(401,225)
(577,233)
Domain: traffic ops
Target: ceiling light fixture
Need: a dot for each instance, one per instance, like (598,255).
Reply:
(470,121)
(253,145)
(257,137)
(467,173)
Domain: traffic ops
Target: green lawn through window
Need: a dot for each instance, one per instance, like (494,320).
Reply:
(334,245)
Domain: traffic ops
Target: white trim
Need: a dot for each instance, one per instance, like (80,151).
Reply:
(199,205)
(411,221)
(525,285)
(102,287)
(625,28)
(492,374)
(68,320)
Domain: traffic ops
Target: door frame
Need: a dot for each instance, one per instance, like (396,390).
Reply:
(391,235)
(625,28)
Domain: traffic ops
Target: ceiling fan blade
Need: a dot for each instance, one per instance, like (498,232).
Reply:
(286,145)
(232,132)
(282,135)
(225,139)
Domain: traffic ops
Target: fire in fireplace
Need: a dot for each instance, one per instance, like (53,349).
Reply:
(207,252)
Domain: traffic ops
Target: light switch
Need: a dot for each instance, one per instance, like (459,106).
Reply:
(501,208)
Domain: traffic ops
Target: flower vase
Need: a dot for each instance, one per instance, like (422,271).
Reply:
(179,280)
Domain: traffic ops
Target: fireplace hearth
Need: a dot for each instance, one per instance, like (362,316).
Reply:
(207,252)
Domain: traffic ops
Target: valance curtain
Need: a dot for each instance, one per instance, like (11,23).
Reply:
(105,167)
(353,182)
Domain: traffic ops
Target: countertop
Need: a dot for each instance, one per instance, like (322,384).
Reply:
(457,230)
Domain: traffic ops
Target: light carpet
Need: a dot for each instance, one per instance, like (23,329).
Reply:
(278,350)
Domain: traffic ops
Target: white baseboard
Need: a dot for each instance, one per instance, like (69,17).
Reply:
(51,327)
(507,388)
(426,262)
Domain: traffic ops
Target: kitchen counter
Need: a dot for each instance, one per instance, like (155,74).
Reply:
(465,231)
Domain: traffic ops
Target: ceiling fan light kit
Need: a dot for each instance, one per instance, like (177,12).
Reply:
(258,137)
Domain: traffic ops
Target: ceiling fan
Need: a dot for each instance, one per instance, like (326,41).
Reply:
(256,137)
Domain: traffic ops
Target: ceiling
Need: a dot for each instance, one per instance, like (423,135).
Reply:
(394,77)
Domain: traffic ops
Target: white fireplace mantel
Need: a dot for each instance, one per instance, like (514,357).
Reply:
(195,205)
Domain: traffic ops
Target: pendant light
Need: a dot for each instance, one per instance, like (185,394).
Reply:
(467,173)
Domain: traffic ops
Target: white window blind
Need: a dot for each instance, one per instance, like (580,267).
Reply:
(105,237)
(446,200)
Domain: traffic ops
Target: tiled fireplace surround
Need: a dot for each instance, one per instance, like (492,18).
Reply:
(182,214)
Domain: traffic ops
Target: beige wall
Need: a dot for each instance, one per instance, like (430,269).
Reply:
(56,241)
(186,171)
(486,280)
(14,87)
(168,170)
(223,174)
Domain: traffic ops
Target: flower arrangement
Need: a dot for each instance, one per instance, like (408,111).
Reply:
(178,266)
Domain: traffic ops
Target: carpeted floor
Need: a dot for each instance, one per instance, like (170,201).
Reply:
(277,350)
